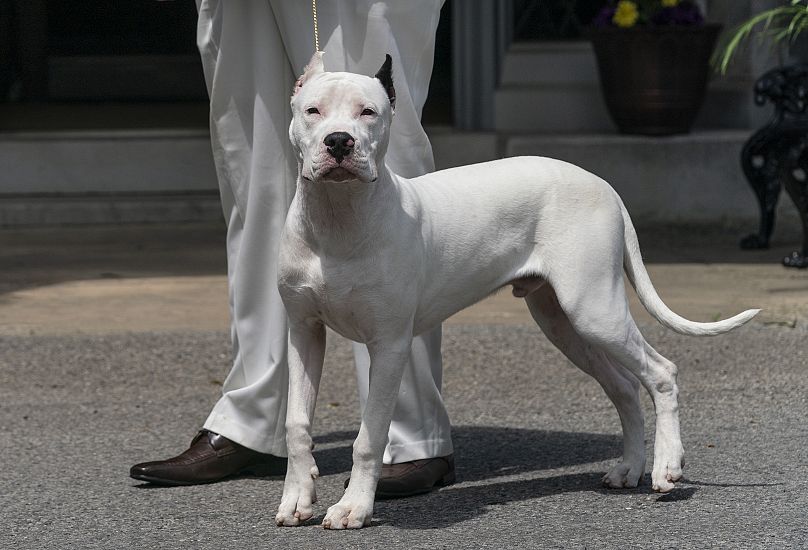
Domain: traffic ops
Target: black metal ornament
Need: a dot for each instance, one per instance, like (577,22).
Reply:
(776,156)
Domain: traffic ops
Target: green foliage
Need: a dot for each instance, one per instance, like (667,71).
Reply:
(781,24)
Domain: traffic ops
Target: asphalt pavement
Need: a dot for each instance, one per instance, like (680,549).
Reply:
(113,348)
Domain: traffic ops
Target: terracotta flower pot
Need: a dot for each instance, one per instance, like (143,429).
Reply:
(654,78)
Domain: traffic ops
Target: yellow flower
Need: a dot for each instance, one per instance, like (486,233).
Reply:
(669,3)
(626,14)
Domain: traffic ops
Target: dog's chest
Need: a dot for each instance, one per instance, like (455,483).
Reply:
(338,293)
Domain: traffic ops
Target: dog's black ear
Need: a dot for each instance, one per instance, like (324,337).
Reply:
(385,76)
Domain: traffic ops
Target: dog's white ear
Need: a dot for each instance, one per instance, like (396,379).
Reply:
(314,67)
(385,76)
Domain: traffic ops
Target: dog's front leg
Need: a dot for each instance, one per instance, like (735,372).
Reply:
(306,349)
(355,509)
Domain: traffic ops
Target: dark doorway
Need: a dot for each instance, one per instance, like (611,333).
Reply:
(97,64)
(438,107)
(553,19)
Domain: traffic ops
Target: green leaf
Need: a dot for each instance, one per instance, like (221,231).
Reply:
(779,24)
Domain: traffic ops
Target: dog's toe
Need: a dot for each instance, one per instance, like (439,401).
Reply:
(347,516)
(666,474)
(663,486)
(296,505)
(623,476)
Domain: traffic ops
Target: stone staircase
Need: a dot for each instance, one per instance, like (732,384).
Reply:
(167,175)
(553,87)
(550,87)
(548,104)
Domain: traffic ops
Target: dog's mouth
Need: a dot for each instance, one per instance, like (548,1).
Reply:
(339,174)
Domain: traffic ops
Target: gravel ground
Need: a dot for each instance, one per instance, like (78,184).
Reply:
(533,436)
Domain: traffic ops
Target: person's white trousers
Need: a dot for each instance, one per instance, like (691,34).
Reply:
(252,51)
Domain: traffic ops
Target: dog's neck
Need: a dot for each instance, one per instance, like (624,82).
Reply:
(343,217)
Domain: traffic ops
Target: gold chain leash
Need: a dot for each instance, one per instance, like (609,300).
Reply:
(316,30)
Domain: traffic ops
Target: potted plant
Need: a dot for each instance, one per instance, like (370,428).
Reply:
(782,25)
(654,61)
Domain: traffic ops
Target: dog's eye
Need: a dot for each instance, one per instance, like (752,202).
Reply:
(312,111)
(368,112)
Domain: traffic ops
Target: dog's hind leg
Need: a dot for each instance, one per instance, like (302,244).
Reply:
(597,308)
(620,385)
(658,375)
(585,268)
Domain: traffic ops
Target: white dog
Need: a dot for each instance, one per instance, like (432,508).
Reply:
(380,258)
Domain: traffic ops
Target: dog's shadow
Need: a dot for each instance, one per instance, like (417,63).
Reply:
(453,505)
(484,453)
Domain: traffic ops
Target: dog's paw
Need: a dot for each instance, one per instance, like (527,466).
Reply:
(624,475)
(295,507)
(667,471)
(347,515)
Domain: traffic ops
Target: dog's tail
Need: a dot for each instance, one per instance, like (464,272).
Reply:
(638,276)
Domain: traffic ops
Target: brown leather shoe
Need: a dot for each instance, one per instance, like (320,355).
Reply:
(211,457)
(415,477)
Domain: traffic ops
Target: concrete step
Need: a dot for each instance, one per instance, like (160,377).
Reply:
(453,148)
(553,87)
(542,63)
(550,87)
(106,161)
(107,176)
(551,109)
(693,178)
(580,108)
(169,176)
(680,179)
(39,210)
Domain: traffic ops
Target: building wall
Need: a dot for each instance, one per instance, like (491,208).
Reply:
(529,94)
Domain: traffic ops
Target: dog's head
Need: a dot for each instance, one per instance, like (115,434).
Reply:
(341,122)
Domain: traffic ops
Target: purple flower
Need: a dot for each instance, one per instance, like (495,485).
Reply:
(684,13)
(604,17)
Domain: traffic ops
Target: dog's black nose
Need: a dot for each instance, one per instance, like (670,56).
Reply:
(339,145)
